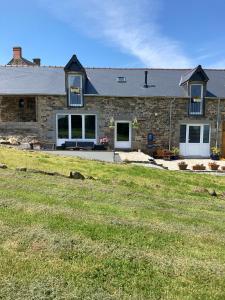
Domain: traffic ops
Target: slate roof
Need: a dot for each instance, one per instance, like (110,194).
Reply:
(42,80)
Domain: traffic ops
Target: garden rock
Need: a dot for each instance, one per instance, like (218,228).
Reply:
(23,169)
(213,193)
(76,175)
(3,166)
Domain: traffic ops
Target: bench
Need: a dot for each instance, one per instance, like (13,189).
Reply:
(69,145)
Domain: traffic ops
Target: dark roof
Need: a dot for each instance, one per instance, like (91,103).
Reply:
(197,74)
(103,82)
(20,62)
(74,65)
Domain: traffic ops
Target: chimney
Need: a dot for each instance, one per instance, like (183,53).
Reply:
(37,61)
(146,79)
(17,52)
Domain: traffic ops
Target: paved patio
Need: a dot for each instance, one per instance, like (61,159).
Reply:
(173,164)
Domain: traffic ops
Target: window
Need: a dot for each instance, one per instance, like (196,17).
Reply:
(206,134)
(21,103)
(76,127)
(121,79)
(196,102)
(194,134)
(89,127)
(183,133)
(63,127)
(75,94)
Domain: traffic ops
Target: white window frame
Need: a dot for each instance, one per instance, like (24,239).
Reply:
(59,141)
(81,89)
(201,106)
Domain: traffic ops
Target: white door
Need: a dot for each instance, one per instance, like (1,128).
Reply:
(123,134)
(194,140)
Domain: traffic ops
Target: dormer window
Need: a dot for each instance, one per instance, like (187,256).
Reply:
(196,99)
(75,90)
(75,82)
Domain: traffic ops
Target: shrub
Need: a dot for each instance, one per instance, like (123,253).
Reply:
(198,167)
(213,166)
(182,165)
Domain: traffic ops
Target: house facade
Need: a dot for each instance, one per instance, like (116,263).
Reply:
(135,108)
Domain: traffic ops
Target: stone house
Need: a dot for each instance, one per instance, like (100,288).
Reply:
(134,108)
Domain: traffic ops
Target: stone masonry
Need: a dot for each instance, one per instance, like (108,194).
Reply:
(160,116)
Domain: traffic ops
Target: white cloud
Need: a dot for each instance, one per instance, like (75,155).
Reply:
(129,25)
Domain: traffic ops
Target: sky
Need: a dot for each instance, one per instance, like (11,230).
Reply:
(116,33)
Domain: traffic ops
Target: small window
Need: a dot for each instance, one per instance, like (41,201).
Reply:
(194,134)
(196,91)
(183,133)
(121,79)
(21,103)
(75,90)
(206,134)
(196,101)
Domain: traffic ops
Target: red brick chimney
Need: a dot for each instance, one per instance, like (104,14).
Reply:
(17,52)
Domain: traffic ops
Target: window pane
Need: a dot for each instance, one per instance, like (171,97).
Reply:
(196,90)
(63,132)
(183,133)
(194,134)
(123,134)
(206,134)
(89,127)
(75,89)
(76,127)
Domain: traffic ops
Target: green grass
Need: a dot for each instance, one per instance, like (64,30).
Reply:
(133,233)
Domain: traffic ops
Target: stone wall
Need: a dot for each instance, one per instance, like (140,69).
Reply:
(17,109)
(159,116)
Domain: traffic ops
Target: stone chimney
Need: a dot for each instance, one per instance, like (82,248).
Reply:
(37,61)
(17,52)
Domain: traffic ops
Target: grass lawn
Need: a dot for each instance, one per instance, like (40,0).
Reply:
(133,233)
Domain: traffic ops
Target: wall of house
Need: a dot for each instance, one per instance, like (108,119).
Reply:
(160,116)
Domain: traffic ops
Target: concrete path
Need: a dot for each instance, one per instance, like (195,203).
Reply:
(107,156)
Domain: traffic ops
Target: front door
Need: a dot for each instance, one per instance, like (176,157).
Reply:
(194,140)
(123,134)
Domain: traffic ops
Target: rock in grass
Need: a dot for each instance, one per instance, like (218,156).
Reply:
(3,166)
(23,169)
(90,178)
(213,193)
(76,175)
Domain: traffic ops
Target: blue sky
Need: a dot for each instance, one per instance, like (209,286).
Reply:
(116,33)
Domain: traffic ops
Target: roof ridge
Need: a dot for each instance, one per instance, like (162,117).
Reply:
(113,68)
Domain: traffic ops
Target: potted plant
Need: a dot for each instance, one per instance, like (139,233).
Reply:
(215,153)
(104,140)
(135,123)
(182,165)
(213,166)
(175,152)
(198,167)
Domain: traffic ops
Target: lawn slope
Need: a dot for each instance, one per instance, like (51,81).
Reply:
(133,233)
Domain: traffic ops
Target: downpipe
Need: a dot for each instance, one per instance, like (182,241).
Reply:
(170,122)
(217,122)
